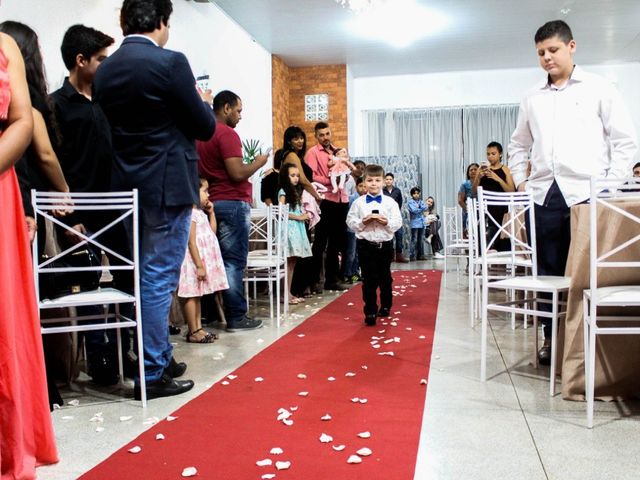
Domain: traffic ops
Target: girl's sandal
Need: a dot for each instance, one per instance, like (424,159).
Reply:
(207,338)
(294,301)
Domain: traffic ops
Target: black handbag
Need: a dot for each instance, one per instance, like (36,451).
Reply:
(58,284)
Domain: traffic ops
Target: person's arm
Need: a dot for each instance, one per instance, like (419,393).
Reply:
(519,148)
(239,171)
(462,199)
(320,172)
(506,186)
(476,181)
(619,129)
(47,158)
(19,125)
(293,159)
(201,273)
(354,218)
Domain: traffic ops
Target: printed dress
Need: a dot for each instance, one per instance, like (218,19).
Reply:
(297,241)
(209,250)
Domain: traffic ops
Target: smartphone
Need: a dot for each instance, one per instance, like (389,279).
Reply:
(376,211)
(484,164)
(202,83)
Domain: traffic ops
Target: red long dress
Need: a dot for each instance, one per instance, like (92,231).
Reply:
(26,432)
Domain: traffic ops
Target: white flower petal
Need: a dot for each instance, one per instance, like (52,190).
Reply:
(364,367)
(324,438)
(283,414)
(354,459)
(422,337)
(349,374)
(300,335)
(224,382)
(408,329)
(364,434)
(260,340)
(74,403)
(302,376)
(381,331)
(332,379)
(350,304)
(325,418)
(160,436)
(287,422)
(125,418)
(376,346)
(363,400)
(189,472)
(259,379)
(99,429)
(171,418)
(232,377)
(393,324)
(338,448)
(68,417)
(268,476)
(135,449)
(423,381)
(151,421)
(303,394)
(390,354)
(355,399)
(276,451)
(283,465)
(364,452)
(264,463)
(396,339)
(389,340)
(293,409)
(398,312)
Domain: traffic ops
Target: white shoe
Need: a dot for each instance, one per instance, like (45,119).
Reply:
(438,255)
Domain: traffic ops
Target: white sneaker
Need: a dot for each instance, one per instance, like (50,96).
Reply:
(438,255)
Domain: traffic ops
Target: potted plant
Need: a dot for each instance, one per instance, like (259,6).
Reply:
(251,148)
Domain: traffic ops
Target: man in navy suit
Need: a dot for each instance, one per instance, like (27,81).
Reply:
(149,97)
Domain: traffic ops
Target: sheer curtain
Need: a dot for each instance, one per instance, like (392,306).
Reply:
(445,139)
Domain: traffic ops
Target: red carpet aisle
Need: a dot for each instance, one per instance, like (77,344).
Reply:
(364,381)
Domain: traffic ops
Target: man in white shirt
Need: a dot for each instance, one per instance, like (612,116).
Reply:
(570,127)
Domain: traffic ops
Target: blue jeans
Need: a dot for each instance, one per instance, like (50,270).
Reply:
(398,237)
(350,263)
(164,232)
(417,245)
(233,218)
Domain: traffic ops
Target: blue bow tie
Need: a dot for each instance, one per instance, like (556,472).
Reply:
(377,198)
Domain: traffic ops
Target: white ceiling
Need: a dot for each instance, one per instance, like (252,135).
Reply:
(482,34)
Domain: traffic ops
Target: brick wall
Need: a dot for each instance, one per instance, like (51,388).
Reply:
(330,79)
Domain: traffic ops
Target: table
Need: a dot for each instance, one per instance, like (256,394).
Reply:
(617,357)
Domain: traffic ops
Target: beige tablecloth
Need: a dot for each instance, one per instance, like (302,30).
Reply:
(617,357)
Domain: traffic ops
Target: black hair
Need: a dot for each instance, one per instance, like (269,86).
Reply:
(389,175)
(225,97)
(373,170)
(81,40)
(359,162)
(474,165)
(144,16)
(320,126)
(432,207)
(292,193)
(359,180)
(415,190)
(290,133)
(636,166)
(495,145)
(552,29)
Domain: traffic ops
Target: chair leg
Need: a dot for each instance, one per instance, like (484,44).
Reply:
(554,342)
(591,380)
(483,335)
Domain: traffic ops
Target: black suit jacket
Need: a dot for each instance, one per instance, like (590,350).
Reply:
(149,97)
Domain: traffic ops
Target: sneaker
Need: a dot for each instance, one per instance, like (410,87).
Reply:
(355,278)
(438,255)
(247,323)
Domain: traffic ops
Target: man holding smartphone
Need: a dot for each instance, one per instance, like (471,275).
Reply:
(571,127)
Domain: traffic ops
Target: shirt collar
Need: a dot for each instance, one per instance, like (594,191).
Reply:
(577,75)
(69,91)
(139,35)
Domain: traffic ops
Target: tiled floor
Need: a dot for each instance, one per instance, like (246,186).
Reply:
(506,428)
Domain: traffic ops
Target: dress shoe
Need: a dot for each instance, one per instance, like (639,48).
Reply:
(401,258)
(544,355)
(247,323)
(175,369)
(370,320)
(383,312)
(165,386)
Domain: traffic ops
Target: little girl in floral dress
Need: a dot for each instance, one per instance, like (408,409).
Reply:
(202,270)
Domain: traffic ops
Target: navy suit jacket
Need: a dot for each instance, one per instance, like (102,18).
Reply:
(149,97)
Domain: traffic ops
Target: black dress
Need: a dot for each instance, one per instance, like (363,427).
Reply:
(496,212)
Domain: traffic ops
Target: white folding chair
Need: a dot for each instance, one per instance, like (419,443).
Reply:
(125,207)
(455,245)
(519,253)
(608,198)
(268,262)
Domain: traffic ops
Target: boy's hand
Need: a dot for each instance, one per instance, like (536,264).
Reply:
(381,219)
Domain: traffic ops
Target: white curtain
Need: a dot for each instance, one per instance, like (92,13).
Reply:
(445,139)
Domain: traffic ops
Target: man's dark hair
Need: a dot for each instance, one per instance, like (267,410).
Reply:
(373,170)
(554,28)
(359,180)
(225,97)
(359,162)
(82,40)
(320,126)
(389,175)
(494,145)
(144,16)
(636,166)
(415,190)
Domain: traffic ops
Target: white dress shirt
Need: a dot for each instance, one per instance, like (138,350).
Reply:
(374,231)
(569,134)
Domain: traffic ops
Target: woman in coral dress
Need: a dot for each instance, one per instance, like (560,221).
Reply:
(26,433)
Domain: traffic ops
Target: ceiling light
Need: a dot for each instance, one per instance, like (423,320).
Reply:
(359,6)
(399,23)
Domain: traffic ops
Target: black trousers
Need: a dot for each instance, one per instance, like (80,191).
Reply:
(553,236)
(375,265)
(331,234)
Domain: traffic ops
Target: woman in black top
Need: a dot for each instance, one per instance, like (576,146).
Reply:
(493,176)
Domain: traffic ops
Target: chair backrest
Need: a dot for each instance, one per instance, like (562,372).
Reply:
(519,205)
(472,229)
(613,202)
(124,208)
(268,231)
(260,234)
(452,227)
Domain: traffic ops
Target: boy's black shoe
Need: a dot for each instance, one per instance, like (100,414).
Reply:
(165,386)
(383,312)
(370,320)
(175,369)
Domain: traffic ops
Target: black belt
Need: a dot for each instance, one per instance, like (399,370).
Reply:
(375,244)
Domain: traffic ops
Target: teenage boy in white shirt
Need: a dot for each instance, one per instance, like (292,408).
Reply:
(374,218)
(572,126)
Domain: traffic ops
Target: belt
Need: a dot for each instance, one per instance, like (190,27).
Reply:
(375,244)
